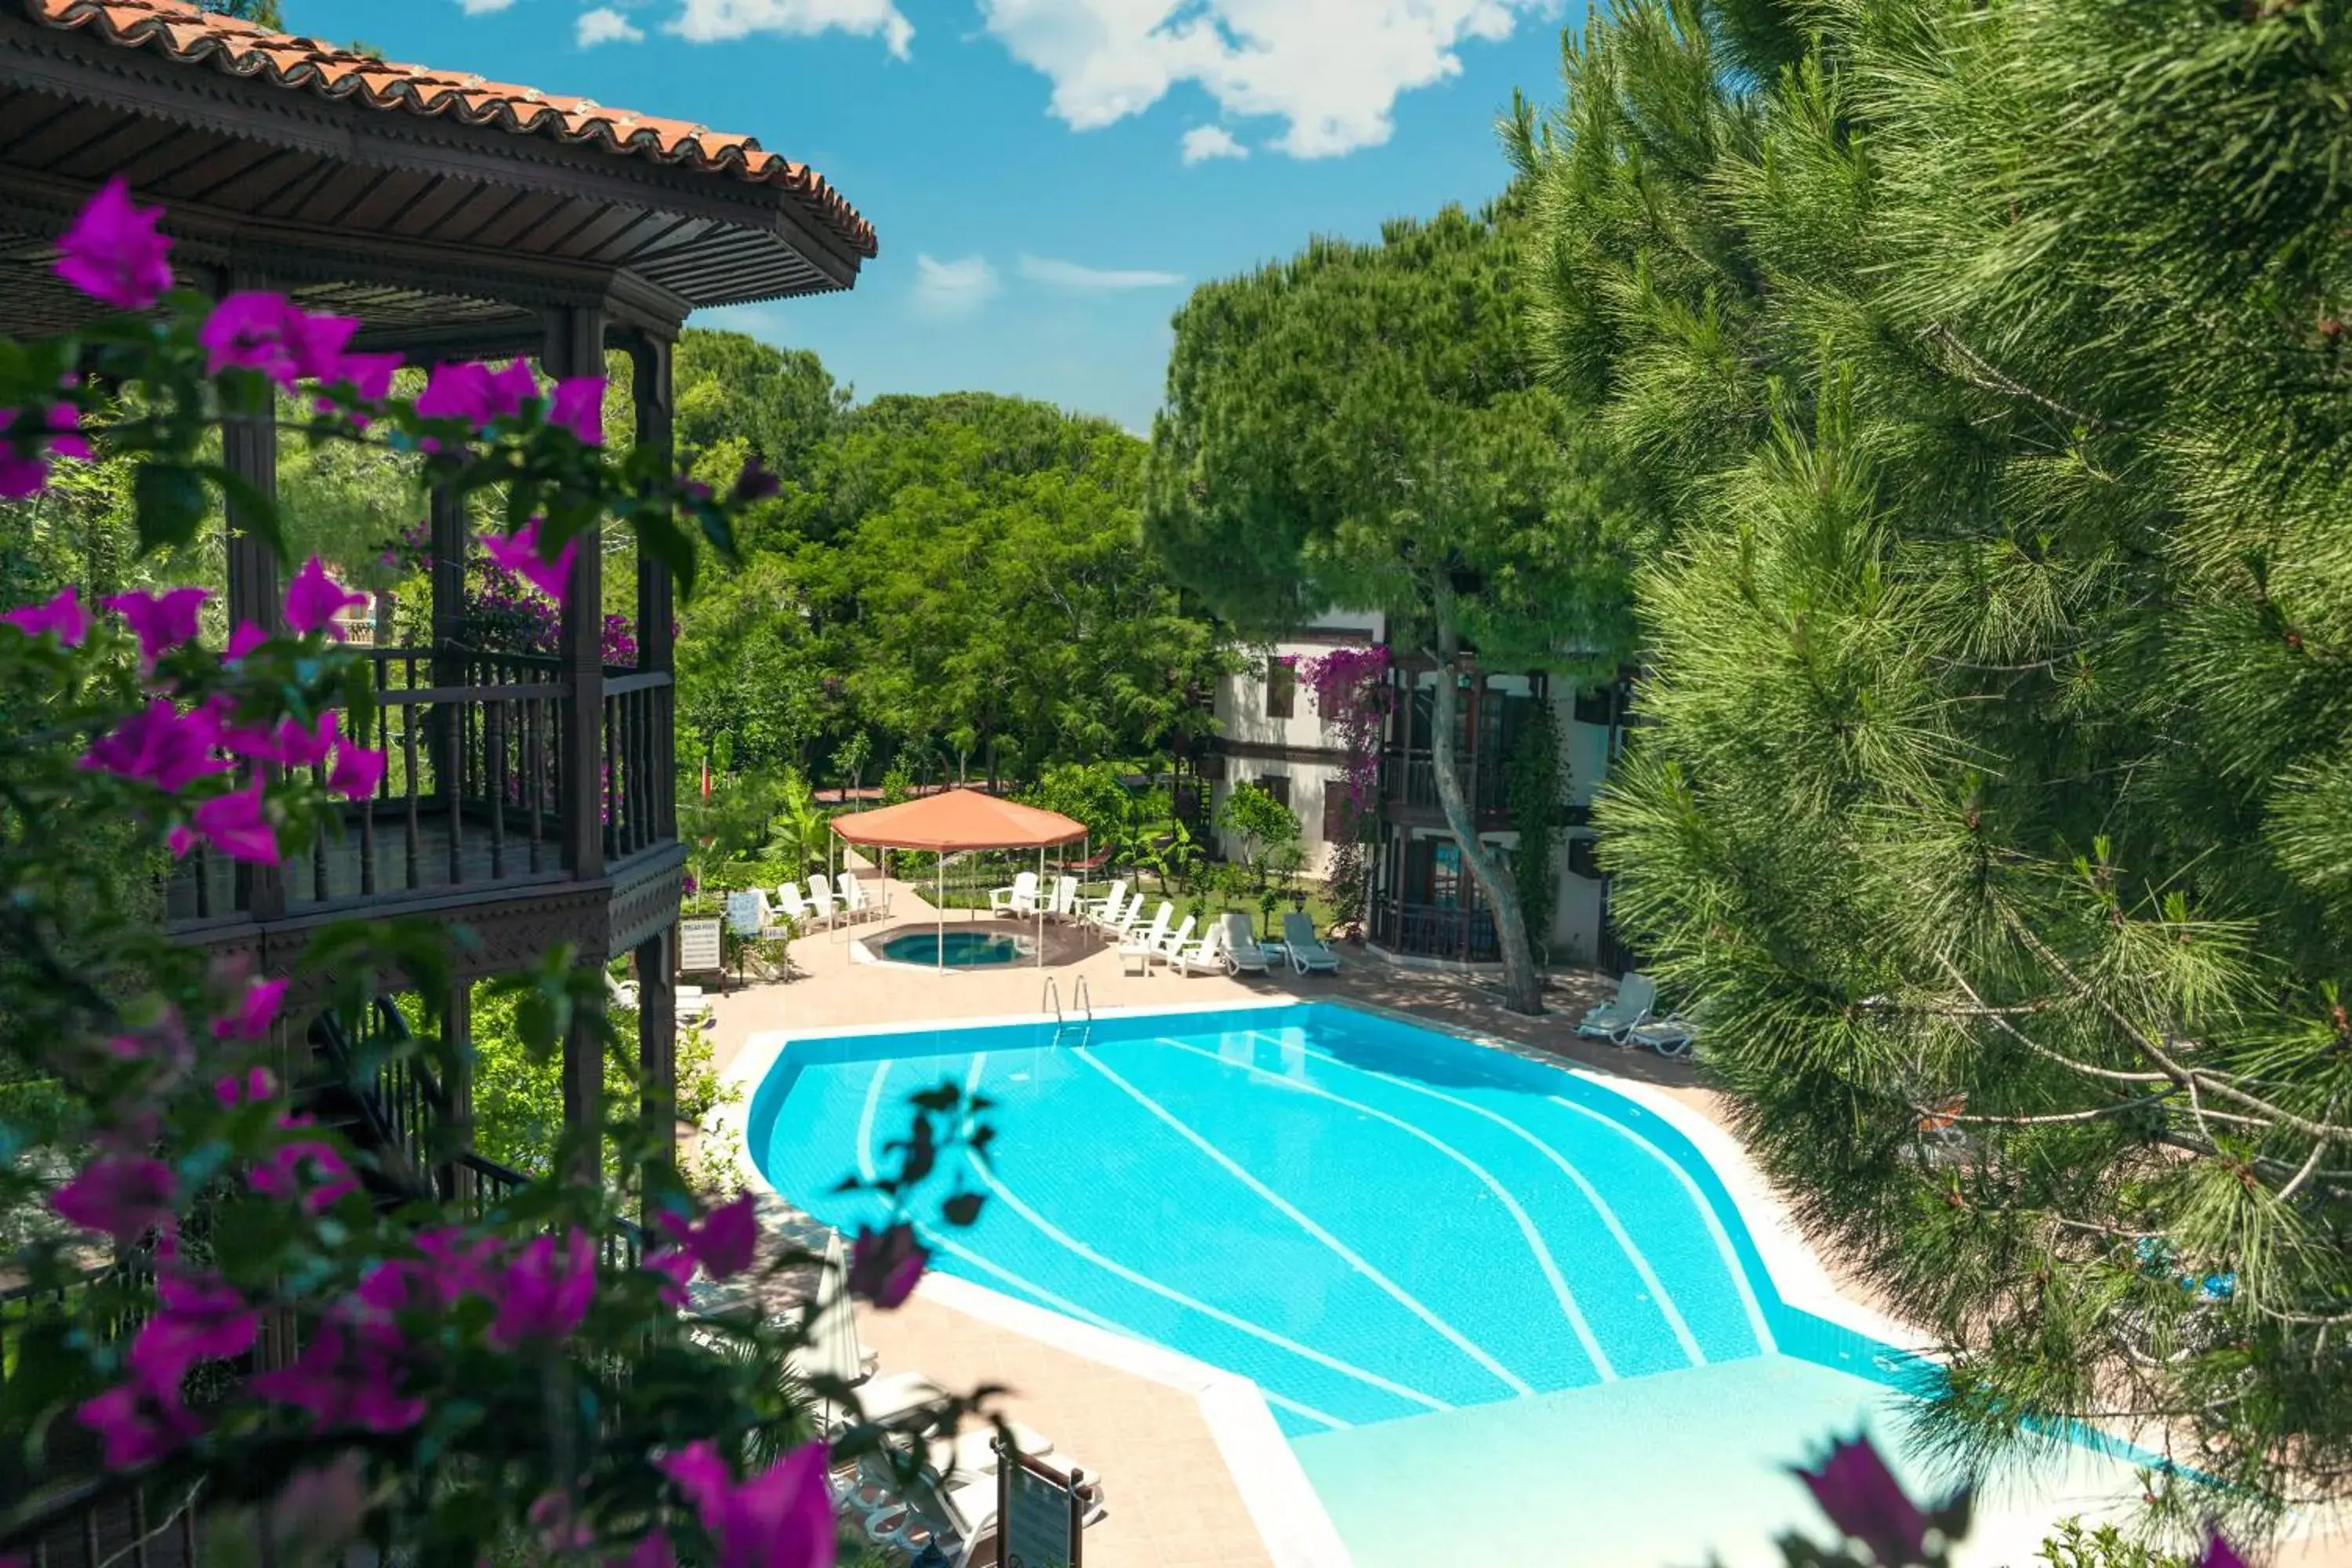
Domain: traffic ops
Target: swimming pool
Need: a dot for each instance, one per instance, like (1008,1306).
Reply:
(1368,1219)
(1449,1270)
(956,949)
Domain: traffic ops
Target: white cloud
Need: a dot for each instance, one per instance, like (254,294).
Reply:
(606,26)
(716,21)
(482,7)
(1203,142)
(953,288)
(1091,280)
(1332,69)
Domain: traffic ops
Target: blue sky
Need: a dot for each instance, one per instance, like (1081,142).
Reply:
(1049,177)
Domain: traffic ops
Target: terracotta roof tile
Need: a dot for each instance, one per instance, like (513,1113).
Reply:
(178,31)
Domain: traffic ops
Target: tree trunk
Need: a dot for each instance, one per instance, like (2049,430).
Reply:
(1522,986)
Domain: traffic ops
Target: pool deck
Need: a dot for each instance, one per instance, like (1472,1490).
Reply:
(1184,1493)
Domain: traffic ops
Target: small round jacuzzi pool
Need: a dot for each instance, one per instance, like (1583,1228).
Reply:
(956,949)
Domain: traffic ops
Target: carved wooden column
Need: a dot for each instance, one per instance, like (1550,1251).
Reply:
(449,544)
(457,1091)
(651,394)
(250,450)
(575,346)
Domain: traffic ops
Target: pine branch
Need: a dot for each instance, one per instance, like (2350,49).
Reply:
(1989,379)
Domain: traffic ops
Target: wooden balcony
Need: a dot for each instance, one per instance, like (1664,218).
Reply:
(1409,787)
(473,817)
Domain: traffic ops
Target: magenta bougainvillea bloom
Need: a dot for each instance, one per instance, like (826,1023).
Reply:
(256,1085)
(25,462)
(885,1264)
(306,1169)
(2220,1554)
(159,745)
(518,552)
(243,641)
(313,599)
(201,1318)
(578,405)
(460,391)
(369,375)
(112,252)
(675,1268)
(546,1291)
(140,1426)
(463,1264)
(123,1195)
(161,622)
(723,1240)
(1864,1499)
(343,1381)
(60,616)
(511,388)
(782,1518)
(357,772)
(237,825)
(253,330)
(256,1011)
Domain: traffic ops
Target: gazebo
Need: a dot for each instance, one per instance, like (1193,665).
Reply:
(957,821)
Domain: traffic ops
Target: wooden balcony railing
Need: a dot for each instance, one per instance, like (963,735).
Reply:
(473,790)
(1464,935)
(1409,779)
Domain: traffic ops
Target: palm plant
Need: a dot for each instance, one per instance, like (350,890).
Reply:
(799,833)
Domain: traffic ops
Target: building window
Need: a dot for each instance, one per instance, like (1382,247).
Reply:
(1281,688)
(1279,786)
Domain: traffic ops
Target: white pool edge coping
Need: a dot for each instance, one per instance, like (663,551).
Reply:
(1283,1504)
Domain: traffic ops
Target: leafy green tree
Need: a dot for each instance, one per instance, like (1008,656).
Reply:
(1361,426)
(1993,808)
(778,403)
(800,835)
(1260,824)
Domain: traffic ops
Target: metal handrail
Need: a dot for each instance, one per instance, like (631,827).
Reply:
(1081,998)
(1053,999)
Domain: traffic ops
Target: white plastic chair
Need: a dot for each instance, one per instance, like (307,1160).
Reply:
(1020,899)
(1064,906)
(854,904)
(1108,906)
(1308,952)
(1143,946)
(820,905)
(1243,954)
(1637,996)
(794,907)
(1208,954)
(1172,945)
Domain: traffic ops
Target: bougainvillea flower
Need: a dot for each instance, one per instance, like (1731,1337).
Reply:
(305,1168)
(317,343)
(159,745)
(112,252)
(343,1381)
(124,1196)
(256,1011)
(254,1086)
(313,599)
(60,616)
(139,1424)
(723,1240)
(463,1264)
(675,1268)
(253,329)
(754,482)
(161,622)
(511,388)
(546,1291)
(201,1320)
(369,375)
(782,1518)
(237,825)
(307,746)
(358,770)
(518,552)
(578,405)
(2220,1554)
(244,640)
(1862,1498)
(652,1552)
(885,1264)
(24,460)
(460,391)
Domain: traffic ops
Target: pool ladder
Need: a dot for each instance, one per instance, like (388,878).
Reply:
(1080,998)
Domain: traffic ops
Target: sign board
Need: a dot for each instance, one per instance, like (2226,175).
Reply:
(1038,1515)
(746,913)
(697,947)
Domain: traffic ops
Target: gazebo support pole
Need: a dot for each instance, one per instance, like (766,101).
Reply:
(1038,907)
(940,943)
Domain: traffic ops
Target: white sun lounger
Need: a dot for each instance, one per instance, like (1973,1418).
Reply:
(1307,954)
(1612,1019)
(1243,952)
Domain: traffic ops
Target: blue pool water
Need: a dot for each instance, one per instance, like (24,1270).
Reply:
(1370,1220)
(956,949)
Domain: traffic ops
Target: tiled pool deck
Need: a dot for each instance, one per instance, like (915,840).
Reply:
(1194,1473)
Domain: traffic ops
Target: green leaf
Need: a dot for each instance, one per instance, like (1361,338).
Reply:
(170,502)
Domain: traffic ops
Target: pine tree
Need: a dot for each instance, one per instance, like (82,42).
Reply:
(1999,777)
(1360,427)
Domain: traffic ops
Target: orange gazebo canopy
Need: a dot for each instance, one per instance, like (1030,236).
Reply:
(959,819)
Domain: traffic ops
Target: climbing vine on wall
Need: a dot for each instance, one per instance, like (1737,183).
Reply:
(1351,695)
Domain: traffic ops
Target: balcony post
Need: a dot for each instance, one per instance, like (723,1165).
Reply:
(575,346)
(652,393)
(250,450)
(657,1064)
